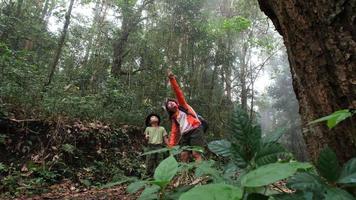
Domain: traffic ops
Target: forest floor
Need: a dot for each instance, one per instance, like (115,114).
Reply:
(66,190)
(93,151)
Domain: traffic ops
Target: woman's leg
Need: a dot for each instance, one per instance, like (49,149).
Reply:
(196,139)
(184,156)
(197,156)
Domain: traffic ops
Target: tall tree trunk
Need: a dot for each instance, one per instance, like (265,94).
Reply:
(60,43)
(320,41)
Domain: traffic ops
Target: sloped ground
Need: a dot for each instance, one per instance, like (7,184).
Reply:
(62,159)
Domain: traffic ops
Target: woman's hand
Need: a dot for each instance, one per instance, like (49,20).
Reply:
(170,73)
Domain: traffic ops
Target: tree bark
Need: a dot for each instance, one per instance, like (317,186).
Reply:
(320,40)
(60,43)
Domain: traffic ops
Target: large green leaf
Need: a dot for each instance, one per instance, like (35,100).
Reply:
(135,186)
(220,147)
(334,118)
(306,182)
(271,173)
(166,170)
(328,165)
(338,194)
(213,192)
(150,193)
(348,173)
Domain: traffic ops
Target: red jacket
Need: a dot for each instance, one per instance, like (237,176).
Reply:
(181,121)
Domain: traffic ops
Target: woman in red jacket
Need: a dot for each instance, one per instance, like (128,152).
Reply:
(186,127)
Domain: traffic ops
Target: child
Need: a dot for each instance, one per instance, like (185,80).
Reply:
(156,135)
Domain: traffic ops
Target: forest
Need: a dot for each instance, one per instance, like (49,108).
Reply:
(178,99)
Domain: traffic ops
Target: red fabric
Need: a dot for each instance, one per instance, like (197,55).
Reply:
(193,121)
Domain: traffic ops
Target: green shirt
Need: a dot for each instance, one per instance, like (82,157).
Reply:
(155,134)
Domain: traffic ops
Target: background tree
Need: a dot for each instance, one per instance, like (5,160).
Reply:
(278,108)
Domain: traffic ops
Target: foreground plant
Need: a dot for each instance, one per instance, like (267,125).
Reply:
(155,189)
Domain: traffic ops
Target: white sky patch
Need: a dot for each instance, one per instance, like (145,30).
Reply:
(262,82)
(55,24)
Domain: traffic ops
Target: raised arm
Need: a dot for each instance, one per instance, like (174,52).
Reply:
(178,92)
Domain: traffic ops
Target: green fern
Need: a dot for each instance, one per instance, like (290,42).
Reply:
(245,133)
(246,146)
(239,155)
(270,153)
(307,182)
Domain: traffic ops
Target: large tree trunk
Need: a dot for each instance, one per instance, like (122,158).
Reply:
(320,40)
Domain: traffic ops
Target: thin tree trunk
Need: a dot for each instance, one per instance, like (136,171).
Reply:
(45,10)
(19,8)
(321,46)
(60,43)
(252,92)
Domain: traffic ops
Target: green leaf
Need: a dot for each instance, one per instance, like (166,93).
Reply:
(166,170)
(239,155)
(150,193)
(207,168)
(68,148)
(220,147)
(328,165)
(257,196)
(334,118)
(2,138)
(86,182)
(3,167)
(274,136)
(306,182)
(135,186)
(338,194)
(230,170)
(271,173)
(193,148)
(175,193)
(112,184)
(155,151)
(159,183)
(269,153)
(348,173)
(213,192)
(294,196)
